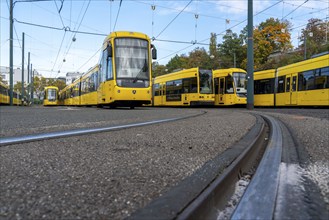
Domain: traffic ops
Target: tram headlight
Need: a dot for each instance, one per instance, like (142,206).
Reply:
(147,83)
(119,82)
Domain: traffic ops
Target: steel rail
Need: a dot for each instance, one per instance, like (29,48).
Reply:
(202,194)
(258,202)
(216,195)
(62,134)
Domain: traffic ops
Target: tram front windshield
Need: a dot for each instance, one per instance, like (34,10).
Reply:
(240,83)
(132,62)
(51,94)
(205,81)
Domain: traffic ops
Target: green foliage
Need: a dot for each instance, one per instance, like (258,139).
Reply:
(177,62)
(316,37)
(158,70)
(232,47)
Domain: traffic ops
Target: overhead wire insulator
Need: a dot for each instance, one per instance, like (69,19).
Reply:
(153,9)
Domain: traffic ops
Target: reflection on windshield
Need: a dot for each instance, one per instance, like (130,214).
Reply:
(131,57)
(240,82)
(205,81)
(51,94)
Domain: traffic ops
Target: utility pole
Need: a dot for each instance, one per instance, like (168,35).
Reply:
(250,58)
(11,71)
(305,41)
(28,77)
(32,81)
(22,93)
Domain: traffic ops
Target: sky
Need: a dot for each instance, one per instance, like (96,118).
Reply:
(49,26)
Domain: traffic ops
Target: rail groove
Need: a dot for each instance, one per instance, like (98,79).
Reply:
(258,202)
(62,134)
(201,195)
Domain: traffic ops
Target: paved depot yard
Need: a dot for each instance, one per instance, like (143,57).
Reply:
(110,175)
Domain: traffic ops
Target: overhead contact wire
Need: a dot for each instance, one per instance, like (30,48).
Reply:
(174,18)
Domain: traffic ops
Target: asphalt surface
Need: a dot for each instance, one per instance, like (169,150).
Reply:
(110,175)
(106,175)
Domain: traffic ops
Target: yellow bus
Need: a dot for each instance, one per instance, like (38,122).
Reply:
(184,88)
(230,87)
(50,96)
(305,83)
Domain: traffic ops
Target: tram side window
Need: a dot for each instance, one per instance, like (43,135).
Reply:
(229,85)
(95,77)
(189,85)
(3,90)
(174,90)
(264,86)
(322,78)
(91,83)
(109,69)
(281,82)
(306,80)
(325,72)
(103,74)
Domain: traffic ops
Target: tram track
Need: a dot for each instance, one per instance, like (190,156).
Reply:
(209,195)
(69,133)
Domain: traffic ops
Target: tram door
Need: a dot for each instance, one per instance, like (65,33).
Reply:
(291,89)
(163,96)
(221,89)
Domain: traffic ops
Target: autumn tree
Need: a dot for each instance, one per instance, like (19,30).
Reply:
(269,37)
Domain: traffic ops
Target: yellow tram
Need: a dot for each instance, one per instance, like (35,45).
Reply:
(123,77)
(305,83)
(230,87)
(5,96)
(50,96)
(184,88)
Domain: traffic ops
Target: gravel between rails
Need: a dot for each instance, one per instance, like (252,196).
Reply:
(109,175)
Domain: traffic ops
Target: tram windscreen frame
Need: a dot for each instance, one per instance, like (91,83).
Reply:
(51,94)
(132,62)
(240,83)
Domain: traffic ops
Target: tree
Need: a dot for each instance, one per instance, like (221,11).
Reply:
(316,37)
(231,49)
(39,86)
(177,62)
(58,83)
(270,36)
(158,70)
(199,58)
